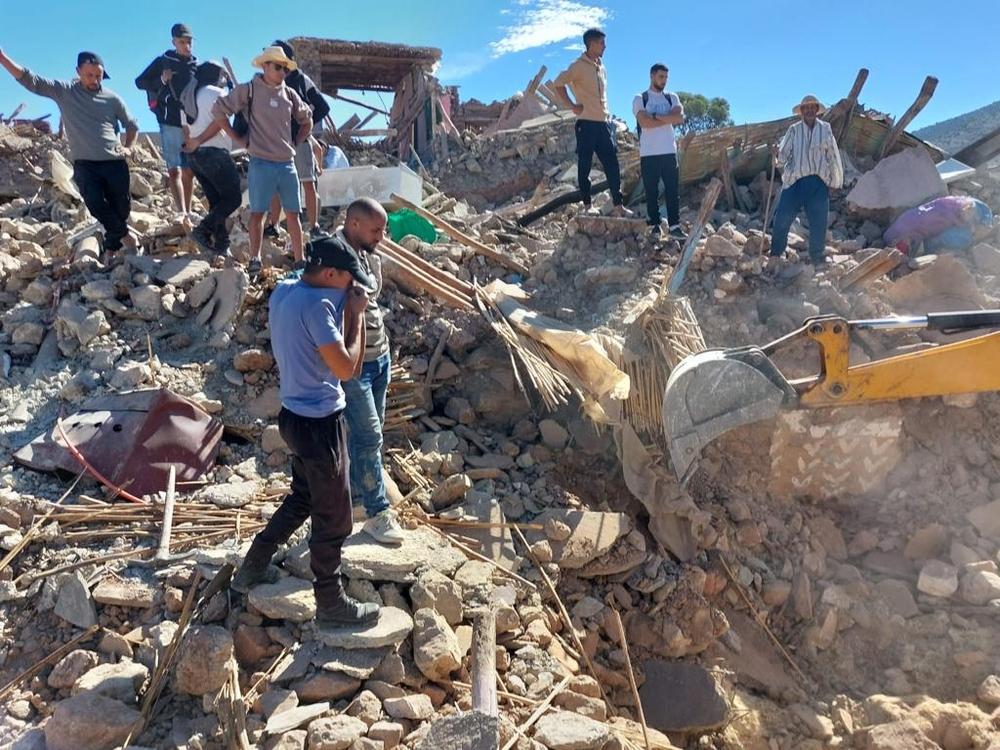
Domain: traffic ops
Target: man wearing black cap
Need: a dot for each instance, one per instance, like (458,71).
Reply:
(318,339)
(163,80)
(93,117)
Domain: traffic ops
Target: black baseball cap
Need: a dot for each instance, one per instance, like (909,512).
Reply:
(332,252)
(91,58)
(181,31)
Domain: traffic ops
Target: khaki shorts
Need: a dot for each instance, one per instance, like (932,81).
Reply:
(305,162)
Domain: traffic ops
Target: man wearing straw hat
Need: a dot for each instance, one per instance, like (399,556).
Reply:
(810,165)
(269,107)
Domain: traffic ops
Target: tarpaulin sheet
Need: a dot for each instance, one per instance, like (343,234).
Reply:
(132,439)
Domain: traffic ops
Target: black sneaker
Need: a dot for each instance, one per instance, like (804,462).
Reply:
(655,232)
(254,267)
(677,233)
(271,232)
(346,611)
(255,569)
(203,239)
(315,232)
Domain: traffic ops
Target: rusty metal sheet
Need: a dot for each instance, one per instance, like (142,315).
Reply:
(133,438)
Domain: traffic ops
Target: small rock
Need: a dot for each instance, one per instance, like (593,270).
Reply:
(289,599)
(561,730)
(980,587)
(415,707)
(203,665)
(74,603)
(436,591)
(819,726)
(271,440)
(451,490)
(335,732)
(121,681)
(89,721)
(295,717)
(938,578)
(253,359)
(391,629)
(389,733)
(989,691)
(435,645)
(554,435)
(71,667)
(125,592)
(325,686)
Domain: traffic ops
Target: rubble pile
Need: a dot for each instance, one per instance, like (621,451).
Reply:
(853,607)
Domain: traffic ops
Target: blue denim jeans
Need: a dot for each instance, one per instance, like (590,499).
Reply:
(365,412)
(808,192)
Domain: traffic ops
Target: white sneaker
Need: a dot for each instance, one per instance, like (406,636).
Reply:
(590,211)
(385,528)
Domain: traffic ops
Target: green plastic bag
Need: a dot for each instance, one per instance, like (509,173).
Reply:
(405,221)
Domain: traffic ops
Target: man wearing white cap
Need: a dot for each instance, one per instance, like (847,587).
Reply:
(810,165)
(269,106)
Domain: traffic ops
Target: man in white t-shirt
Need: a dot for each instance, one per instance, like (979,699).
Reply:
(657,111)
(208,147)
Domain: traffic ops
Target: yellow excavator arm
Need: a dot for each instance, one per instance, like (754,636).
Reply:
(718,390)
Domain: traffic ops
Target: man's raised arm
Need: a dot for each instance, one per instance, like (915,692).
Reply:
(12,67)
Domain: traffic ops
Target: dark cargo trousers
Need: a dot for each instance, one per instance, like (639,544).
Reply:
(321,491)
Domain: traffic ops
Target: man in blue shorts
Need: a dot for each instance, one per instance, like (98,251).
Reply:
(272,110)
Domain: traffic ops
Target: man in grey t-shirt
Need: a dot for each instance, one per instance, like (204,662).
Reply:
(93,117)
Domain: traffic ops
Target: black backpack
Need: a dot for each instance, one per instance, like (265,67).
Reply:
(645,100)
(241,122)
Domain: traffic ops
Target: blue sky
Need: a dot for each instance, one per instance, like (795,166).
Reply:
(762,56)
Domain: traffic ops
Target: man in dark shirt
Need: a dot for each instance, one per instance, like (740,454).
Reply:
(93,117)
(163,80)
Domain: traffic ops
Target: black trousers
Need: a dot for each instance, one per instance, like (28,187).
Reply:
(656,169)
(104,186)
(216,173)
(594,137)
(321,491)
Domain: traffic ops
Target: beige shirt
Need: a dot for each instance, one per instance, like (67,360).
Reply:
(589,83)
(271,114)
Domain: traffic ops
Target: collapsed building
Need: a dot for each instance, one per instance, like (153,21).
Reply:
(828,578)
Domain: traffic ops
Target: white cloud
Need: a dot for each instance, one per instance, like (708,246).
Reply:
(542,22)
(462,65)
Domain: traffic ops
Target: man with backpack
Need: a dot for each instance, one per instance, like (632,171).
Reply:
(271,111)
(162,80)
(208,150)
(594,129)
(305,160)
(656,112)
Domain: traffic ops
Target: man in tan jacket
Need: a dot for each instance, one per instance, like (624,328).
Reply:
(594,130)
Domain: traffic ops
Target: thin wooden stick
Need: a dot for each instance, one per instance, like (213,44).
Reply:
(566,618)
(631,677)
(506,694)
(759,618)
(48,660)
(538,712)
(483,558)
(30,534)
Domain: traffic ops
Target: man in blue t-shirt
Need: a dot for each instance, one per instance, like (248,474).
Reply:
(318,339)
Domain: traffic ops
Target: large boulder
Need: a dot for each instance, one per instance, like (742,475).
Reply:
(90,721)
(203,666)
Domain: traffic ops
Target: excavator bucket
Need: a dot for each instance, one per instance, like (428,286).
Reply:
(715,391)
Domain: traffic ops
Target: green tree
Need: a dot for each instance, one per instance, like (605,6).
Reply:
(702,113)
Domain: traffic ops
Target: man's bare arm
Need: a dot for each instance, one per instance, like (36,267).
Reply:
(648,122)
(131,134)
(344,358)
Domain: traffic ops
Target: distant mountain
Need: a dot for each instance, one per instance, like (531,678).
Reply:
(958,132)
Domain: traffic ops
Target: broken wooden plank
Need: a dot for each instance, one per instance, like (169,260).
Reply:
(842,112)
(673,284)
(461,237)
(350,124)
(377,110)
(373,133)
(483,667)
(926,92)
(874,266)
